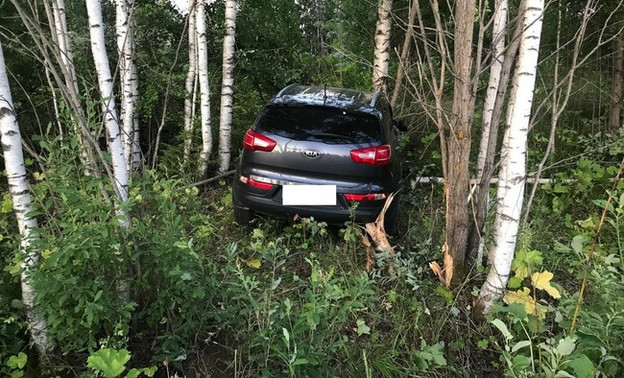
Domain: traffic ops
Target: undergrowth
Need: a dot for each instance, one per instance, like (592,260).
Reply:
(208,298)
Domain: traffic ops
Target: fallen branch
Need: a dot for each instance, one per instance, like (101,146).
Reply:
(377,232)
(206,181)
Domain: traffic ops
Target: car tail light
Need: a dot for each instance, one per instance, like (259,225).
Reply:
(366,197)
(377,156)
(256,184)
(254,141)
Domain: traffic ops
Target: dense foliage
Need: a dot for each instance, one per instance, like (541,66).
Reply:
(208,297)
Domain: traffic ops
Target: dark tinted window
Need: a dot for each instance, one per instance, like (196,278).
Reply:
(320,124)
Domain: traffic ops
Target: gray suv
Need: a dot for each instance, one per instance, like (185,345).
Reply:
(327,153)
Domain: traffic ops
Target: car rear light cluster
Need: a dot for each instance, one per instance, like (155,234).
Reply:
(366,197)
(378,156)
(256,184)
(254,141)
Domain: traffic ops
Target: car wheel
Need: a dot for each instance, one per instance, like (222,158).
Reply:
(242,216)
(391,221)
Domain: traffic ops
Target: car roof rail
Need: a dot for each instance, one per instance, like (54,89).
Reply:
(376,97)
(287,88)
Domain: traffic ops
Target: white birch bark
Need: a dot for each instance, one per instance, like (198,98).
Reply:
(137,155)
(18,187)
(227,86)
(71,79)
(381,58)
(105,82)
(191,76)
(62,36)
(512,176)
(204,88)
(498,57)
(124,25)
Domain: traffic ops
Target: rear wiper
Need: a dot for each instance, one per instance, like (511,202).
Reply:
(343,138)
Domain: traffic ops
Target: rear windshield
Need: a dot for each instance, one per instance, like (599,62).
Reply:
(327,125)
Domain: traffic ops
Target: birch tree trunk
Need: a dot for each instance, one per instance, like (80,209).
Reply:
(482,193)
(512,176)
(227,86)
(560,100)
(498,57)
(62,36)
(615,108)
(18,187)
(124,25)
(105,83)
(61,33)
(381,59)
(458,144)
(499,31)
(191,76)
(204,88)
(137,155)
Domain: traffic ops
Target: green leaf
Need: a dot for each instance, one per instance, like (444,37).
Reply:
(483,343)
(503,328)
(519,345)
(110,362)
(563,374)
(133,373)
(520,362)
(582,366)
(300,361)
(566,346)
(18,361)
(518,310)
(286,335)
(577,243)
(514,282)
(150,371)
(362,328)
(561,248)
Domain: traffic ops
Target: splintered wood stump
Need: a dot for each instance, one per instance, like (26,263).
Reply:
(377,232)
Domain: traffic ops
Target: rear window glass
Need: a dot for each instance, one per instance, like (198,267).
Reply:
(327,125)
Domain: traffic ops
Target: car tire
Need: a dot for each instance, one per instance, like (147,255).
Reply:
(391,221)
(242,216)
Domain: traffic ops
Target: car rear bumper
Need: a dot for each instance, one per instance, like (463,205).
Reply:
(270,203)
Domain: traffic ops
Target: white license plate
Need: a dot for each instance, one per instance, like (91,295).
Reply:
(309,195)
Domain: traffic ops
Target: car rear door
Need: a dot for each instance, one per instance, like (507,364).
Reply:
(314,145)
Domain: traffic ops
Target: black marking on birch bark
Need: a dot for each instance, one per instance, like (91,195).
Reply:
(10,133)
(517,179)
(495,289)
(506,217)
(6,111)
(6,147)
(20,193)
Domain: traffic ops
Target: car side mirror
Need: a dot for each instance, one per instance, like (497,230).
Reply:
(400,124)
